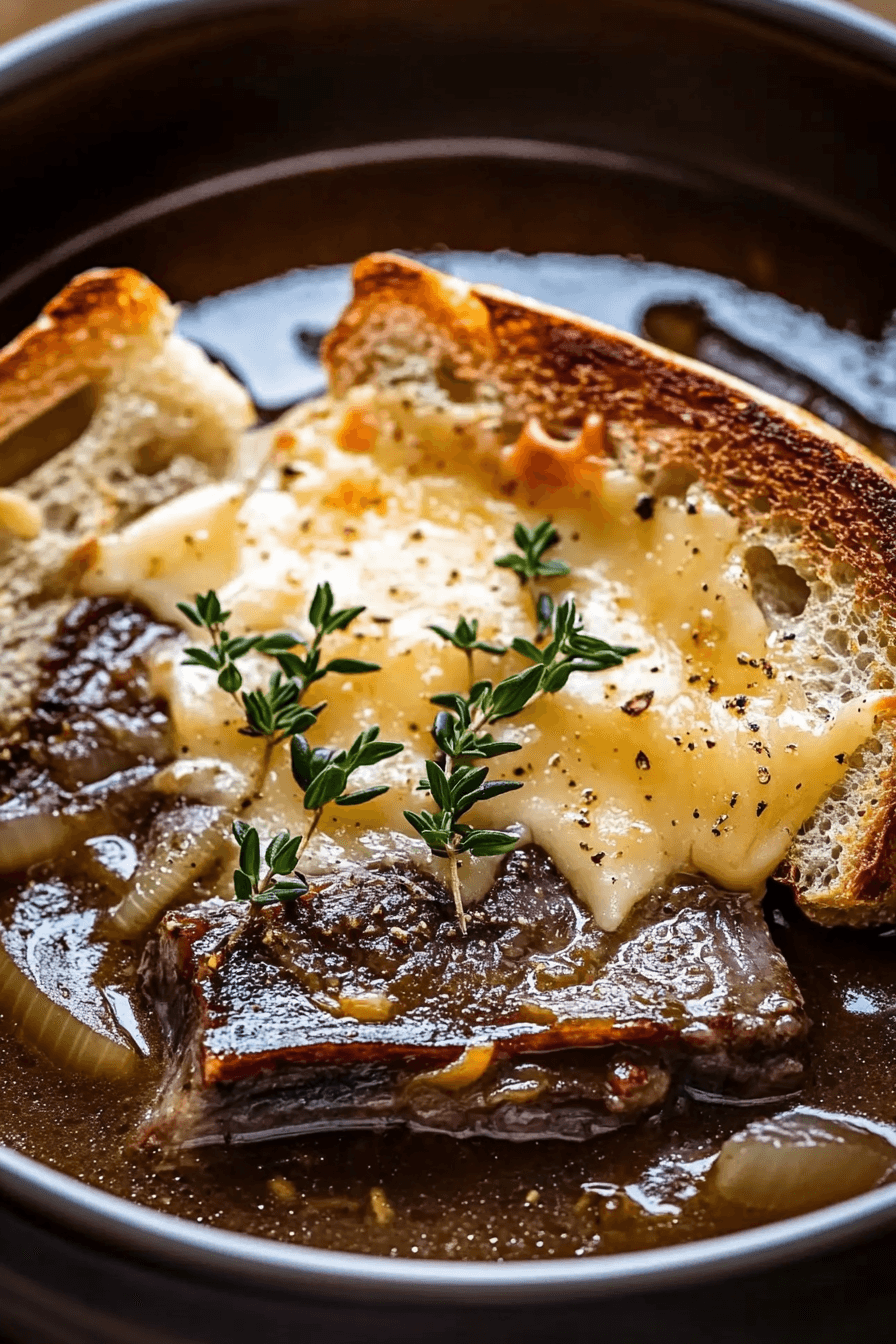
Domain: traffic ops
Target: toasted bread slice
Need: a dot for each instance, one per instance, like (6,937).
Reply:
(104,413)
(151,418)
(818,511)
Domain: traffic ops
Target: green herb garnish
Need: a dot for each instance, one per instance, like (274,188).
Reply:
(323,775)
(226,650)
(281,882)
(465,636)
(530,564)
(304,671)
(276,713)
(457,785)
(570,650)
(456,781)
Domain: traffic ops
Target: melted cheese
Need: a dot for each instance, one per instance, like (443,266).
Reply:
(699,753)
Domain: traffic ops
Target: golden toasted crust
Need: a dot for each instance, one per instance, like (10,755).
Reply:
(78,338)
(104,414)
(764,458)
(768,462)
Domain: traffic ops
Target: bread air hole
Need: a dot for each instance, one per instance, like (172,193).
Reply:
(673,482)
(459,390)
(35,443)
(779,591)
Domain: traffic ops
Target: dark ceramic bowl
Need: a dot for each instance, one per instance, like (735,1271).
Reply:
(213,143)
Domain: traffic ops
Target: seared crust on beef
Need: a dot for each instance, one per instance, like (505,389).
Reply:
(792,482)
(369,984)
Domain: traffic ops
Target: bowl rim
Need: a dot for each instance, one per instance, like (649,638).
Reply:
(254,1261)
(176,1242)
(62,42)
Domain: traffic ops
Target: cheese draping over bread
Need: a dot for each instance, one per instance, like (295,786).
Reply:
(701,752)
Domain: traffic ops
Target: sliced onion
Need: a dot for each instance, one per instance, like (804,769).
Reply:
(34,828)
(183,845)
(110,860)
(463,1072)
(367,1007)
(53,1030)
(803,1160)
(31,836)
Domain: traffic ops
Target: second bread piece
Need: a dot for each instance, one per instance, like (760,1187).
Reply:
(818,513)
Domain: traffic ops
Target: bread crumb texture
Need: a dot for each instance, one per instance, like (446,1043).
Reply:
(741,547)
(132,416)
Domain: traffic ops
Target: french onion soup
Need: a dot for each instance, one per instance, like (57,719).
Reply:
(432,823)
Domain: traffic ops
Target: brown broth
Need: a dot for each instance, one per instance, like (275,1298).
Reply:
(400,1193)
(639,1187)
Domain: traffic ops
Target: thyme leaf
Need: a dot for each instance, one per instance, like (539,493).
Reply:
(323,775)
(281,882)
(530,563)
(465,636)
(458,729)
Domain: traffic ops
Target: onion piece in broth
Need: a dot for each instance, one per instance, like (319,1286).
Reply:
(31,836)
(203,779)
(184,843)
(49,967)
(39,823)
(53,1030)
(803,1160)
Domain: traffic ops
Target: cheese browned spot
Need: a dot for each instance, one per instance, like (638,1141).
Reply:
(701,752)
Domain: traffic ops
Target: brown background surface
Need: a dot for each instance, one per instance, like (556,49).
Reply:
(18,15)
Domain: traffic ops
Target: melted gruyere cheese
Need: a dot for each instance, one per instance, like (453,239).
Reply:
(698,753)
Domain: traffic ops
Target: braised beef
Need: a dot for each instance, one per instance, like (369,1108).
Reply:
(92,711)
(80,762)
(341,1010)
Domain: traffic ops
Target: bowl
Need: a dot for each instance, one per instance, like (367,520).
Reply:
(214,143)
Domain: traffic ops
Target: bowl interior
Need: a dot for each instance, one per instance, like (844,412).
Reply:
(234,143)
(682,132)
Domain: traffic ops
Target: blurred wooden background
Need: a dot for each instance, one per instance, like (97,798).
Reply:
(18,15)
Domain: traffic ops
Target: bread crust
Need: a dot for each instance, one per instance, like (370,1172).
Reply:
(750,448)
(767,462)
(104,413)
(80,336)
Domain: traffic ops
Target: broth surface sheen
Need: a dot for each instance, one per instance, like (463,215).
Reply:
(405,1194)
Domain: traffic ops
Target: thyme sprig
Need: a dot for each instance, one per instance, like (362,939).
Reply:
(456,786)
(322,774)
(222,657)
(570,650)
(305,671)
(281,882)
(465,636)
(530,564)
(275,713)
